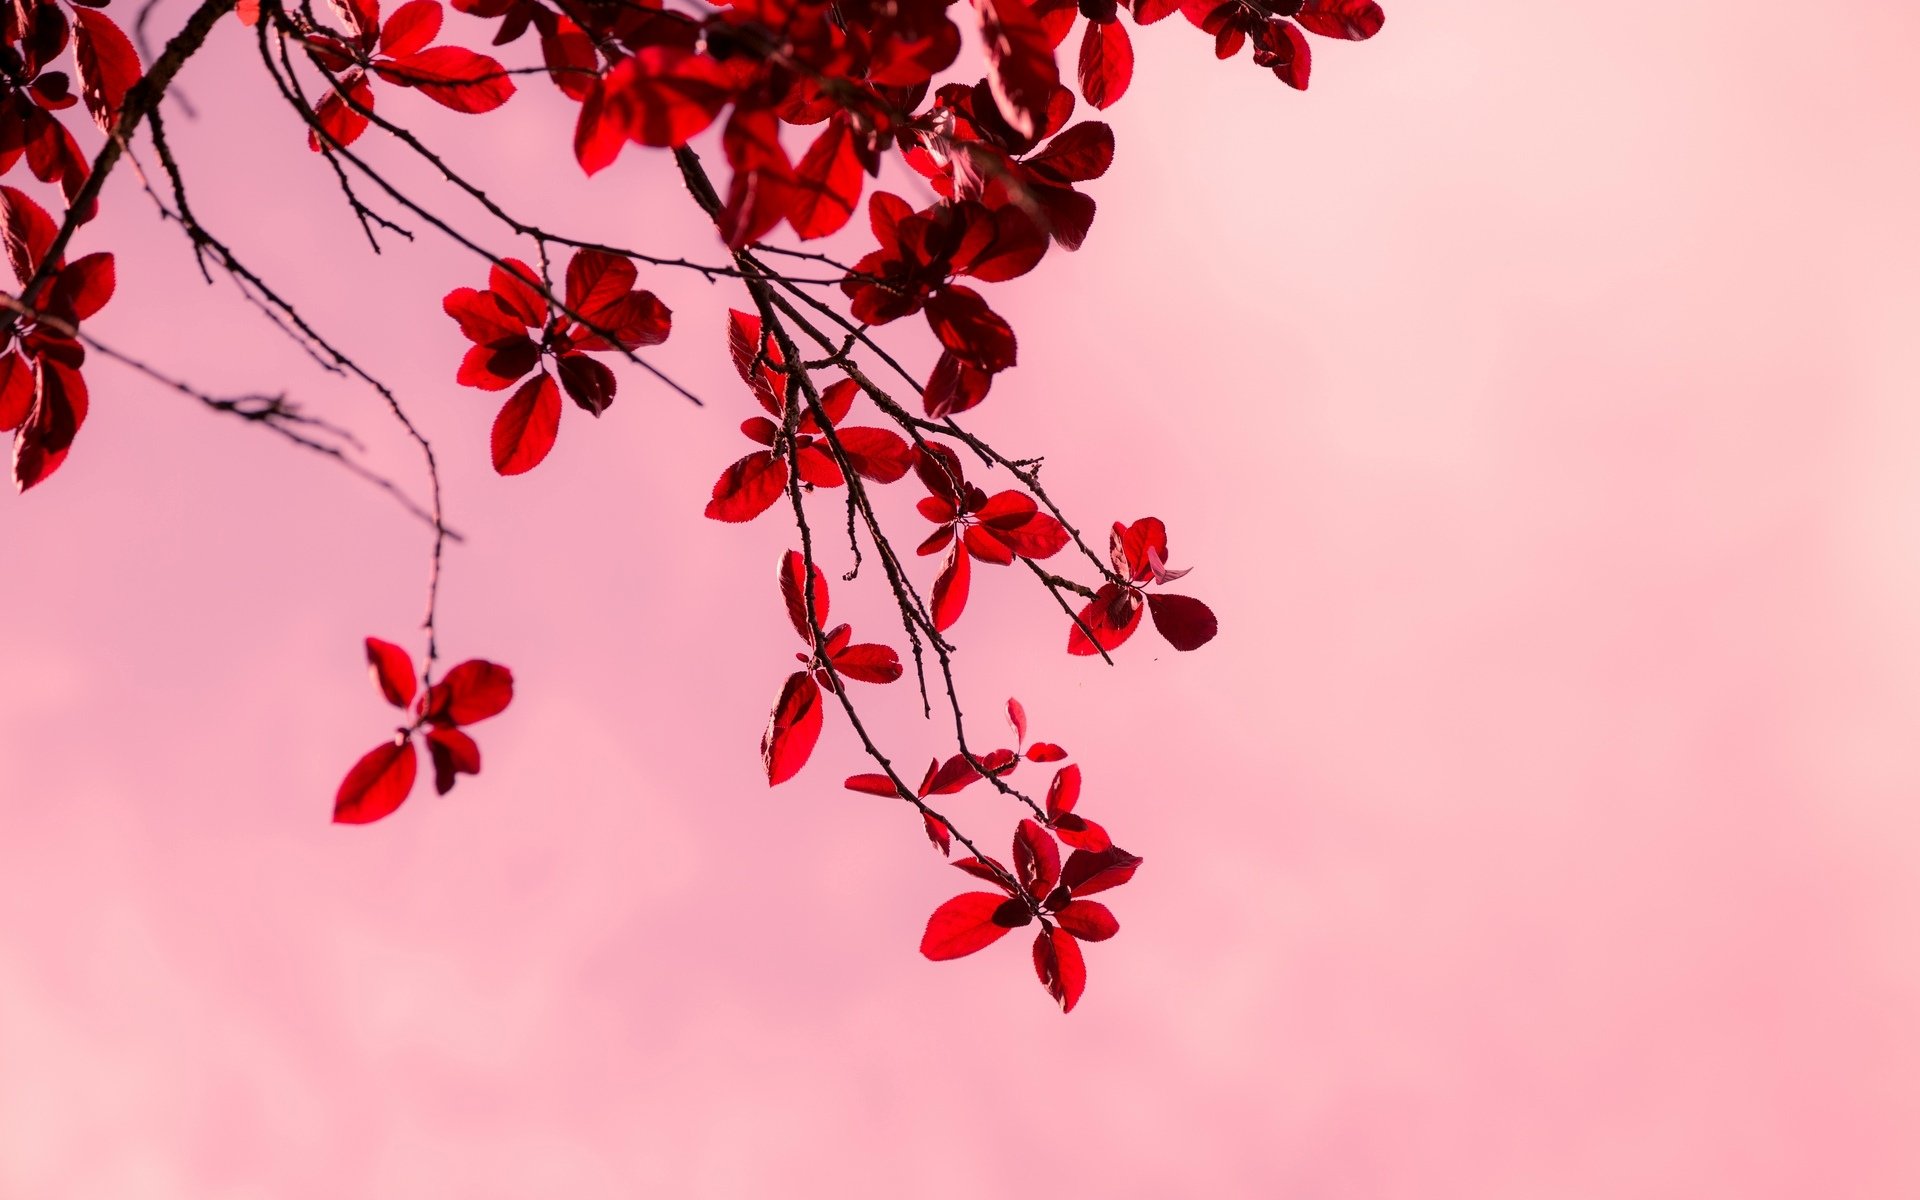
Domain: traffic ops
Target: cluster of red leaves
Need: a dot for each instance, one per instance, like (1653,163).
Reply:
(397,52)
(43,397)
(794,726)
(1139,555)
(33,86)
(1039,887)
(750,486)
(973,525)
(514,331)
(1006,163)
(470,693)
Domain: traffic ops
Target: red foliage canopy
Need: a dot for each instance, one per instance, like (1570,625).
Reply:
(807,100)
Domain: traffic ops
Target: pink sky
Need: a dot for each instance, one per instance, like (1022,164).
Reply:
(1536,402)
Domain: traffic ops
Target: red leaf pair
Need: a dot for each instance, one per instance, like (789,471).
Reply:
(1138,552)
(1038,885)
(1039,752)
(397,52)
(471,692)
(794,726)
(513,330)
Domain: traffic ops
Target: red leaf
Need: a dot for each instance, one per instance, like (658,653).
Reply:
(1064,792)
(59,409)
(634,320)
(1069,214)
(868,662)
(523,433)
(1280,45)
(333,118)
(1014,519)
(987,869)
(596,282)
(1017,717)
(27,230)
(1020,66)
(941,470)
(817,467)
(84,285)
(792,566)
(16,390)
(1106,62)
(748,487)
(792,730)
(1112,616)
(1090,871)
(1014,246)
(950,587)
(872,785)
(453,753)
(411,27)
(1080,833)
(359,16)
(377,784)
(599,132)
(488,317)
(590,382)
(972,331)
(1062,969)
(497,368)
(754,358)
(878,454)
(108,64)
(1088,920)
(1045,752)
(826,184)
(951,776)
(570,57)
(836,401)
(938,833)
(1183,621)
(452,77)
(1036,859)
(1129,545)
(518,292)
(970,921)
(954,386)
(1081,153)
(471,692)
(1354,20)
(392,670)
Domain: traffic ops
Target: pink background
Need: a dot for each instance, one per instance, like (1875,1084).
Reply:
(1536,401)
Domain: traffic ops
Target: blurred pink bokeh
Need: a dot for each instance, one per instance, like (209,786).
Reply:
(1538,400)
